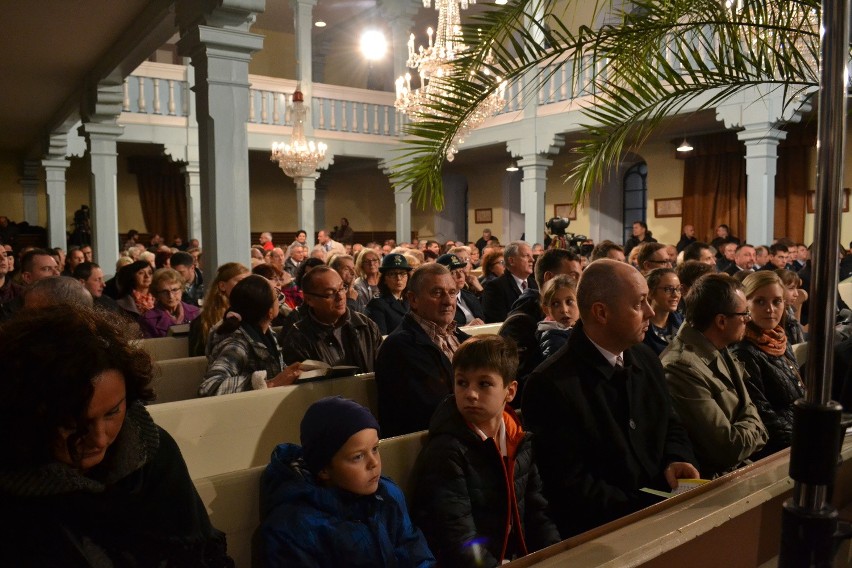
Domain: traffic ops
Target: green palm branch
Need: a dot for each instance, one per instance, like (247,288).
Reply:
(655,60)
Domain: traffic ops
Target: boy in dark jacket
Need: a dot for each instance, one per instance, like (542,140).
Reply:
(325,503)
(477,493)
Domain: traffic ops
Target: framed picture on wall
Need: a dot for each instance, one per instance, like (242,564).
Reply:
(669,207)
(812,200)
(566,210)
(482,215)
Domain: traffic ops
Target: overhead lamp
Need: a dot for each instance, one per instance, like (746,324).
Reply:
(374,46)
(501,2)
(685,146)
(513,167)
(319,24)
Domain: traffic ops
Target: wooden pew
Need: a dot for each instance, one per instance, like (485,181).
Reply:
(733,521)
(163,348)
(233,499)
(238,431)
(178,379)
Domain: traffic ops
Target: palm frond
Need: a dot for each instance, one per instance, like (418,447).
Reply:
(660,57)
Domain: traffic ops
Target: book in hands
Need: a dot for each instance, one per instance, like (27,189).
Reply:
(683,485)
(313,369)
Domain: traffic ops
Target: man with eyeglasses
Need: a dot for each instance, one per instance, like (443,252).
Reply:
(651,256)
(706,381)
(413,369)
(330,332)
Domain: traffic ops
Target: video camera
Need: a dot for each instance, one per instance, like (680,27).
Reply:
(561,238)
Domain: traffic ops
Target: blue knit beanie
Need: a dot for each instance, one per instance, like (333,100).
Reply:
(327,425)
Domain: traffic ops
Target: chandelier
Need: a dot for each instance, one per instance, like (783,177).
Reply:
(434,64)
(298,158)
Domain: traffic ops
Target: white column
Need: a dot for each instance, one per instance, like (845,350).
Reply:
(29,187)
(533,189)
(57,220)
(402,200)
(761,166)
(306,190)
(761,111)
(220,46)
(303,22)
(101,108)
(192,175)
(320,193)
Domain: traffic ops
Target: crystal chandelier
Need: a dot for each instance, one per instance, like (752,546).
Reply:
(434,64)
(298,158)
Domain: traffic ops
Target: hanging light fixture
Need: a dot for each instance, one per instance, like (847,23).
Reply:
(434,64)
(513,167)
(300,157)
(685,146)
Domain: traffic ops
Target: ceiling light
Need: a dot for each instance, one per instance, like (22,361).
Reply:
(374,46)
(513,167)
(319,24)
(501,2)
(685,146)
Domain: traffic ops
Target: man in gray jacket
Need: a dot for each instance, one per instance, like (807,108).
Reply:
(706,382)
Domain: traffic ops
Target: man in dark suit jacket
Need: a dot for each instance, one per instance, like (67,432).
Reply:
(413,368)
(603,422)
(501,293)
(743,259)
(468,308)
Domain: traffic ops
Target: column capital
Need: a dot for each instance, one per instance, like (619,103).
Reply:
(760,105)
(231,14)
(535,161)
(222,42)
(531,145)
(103,102)
(101,131)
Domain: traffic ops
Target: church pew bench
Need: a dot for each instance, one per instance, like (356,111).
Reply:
(733,521)
(178,379)
(238,431)
(163,348)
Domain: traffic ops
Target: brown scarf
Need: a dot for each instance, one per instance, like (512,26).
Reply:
(770,341)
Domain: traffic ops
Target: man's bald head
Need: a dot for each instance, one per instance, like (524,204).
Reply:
(602,281)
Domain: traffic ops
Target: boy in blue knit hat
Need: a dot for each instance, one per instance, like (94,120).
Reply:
(325,503)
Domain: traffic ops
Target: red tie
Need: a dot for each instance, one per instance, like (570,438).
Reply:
(523,285)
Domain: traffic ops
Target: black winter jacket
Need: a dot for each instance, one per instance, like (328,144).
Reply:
(773,384)
(461,494)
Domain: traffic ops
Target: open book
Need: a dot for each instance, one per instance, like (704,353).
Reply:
(313,369)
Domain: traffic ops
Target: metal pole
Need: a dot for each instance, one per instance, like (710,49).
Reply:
(809,523)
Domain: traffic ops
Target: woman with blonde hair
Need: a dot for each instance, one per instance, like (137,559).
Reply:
(794,297)
(367,269)
(773,382)
(167,288)
(215,305)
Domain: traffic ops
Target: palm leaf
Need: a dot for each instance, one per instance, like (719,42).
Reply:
(659,58)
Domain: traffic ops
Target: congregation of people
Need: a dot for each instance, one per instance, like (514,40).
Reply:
(617,371)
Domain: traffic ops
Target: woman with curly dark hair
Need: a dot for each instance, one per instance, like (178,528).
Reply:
(86,477)
(134,288)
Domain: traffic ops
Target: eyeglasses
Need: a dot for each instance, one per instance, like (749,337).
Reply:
(671,290)
(329,295)
(397,274)
(372,260)
(746,315)
(171,291)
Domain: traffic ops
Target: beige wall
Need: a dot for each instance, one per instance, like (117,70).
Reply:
(485,191)
(277,58)
(665,179)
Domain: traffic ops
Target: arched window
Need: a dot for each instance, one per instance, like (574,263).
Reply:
(635,196)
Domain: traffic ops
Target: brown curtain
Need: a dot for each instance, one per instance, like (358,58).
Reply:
(162,193)
(793,179)
(714,185)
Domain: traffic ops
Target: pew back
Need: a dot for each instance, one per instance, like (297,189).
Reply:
(233,499)
(163,348)
(178,379)
(238,431)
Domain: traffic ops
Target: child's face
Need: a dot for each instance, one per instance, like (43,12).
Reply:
(563,307)
(357,465)
(481,396)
